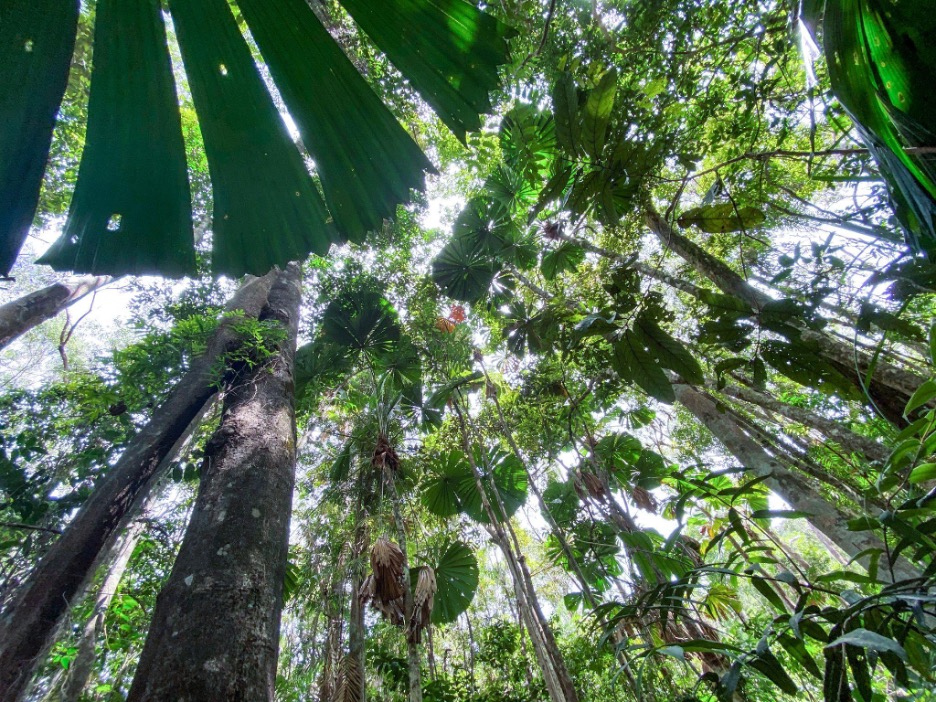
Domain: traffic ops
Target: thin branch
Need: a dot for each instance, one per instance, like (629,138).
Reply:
(29,527)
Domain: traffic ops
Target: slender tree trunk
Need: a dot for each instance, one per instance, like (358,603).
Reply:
(356,630)
(215,630)
(795,490)
(29,622)
(80,669)
(559,683)
(19,316)
(849,360)
(412,649)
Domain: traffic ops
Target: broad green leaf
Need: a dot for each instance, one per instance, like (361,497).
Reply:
(803,365)
(366,161)
(923,473)
(564,258)
(565,104)
(37,38)
(131,211)
(633,362)
(597,113)
(768,665)
(267,210)
(871,640)
(463,271)
(722,218)
(441,493)
(923,395)
(561,501)
(457,581)
(503,472)
(668,352)
(364,321)
(447,49)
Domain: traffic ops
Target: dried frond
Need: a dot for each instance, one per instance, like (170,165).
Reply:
(644,499)
(387,564)
(366,591)
(593,485)
(423,598)
(392,611)
(552,230)
(385,456)
(350,681)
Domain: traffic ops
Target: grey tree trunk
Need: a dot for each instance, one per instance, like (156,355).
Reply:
(847,439)
(559,684)
(854,363)
(794,489)
(19,316)
(29,622)
(215,630)
(80,669)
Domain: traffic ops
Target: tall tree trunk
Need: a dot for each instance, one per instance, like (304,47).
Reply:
(853,362)
(412,649)
(80,669)
(28,623)
(794,489)
(556,675)
(19,316)
(215,630)
(356,629)
(847,439)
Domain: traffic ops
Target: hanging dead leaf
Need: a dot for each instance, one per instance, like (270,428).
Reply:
(387,564)
(593,485)
(446,326)
(644,499)
(350,681)
(423,598)
(385,456)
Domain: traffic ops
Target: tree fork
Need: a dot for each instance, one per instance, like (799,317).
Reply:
(215,630)
(28,624)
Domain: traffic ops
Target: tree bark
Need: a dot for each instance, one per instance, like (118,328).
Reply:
(847,439)
(19,316)
(795,490)
(80,669)
(215,630)
(853,362)
(559,683)
(28,624)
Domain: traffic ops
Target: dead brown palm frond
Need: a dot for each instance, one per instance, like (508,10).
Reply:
(423,598)
(350,681)
(366,591)
(385,456)
(387,565)
(644,499)
(392,611)
(593,485)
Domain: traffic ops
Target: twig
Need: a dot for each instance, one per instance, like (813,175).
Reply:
(30,527)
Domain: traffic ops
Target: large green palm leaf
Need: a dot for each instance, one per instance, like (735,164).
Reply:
(131,211)
(881,57)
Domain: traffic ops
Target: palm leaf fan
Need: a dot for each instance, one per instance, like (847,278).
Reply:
(131,212)
(881,57)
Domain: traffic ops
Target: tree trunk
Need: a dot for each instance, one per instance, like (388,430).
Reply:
(412,650)
(19,316)
(559,683)
(215,630)
(795,490)
(854,363)
(847,439)
(80,669)
(28,624)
